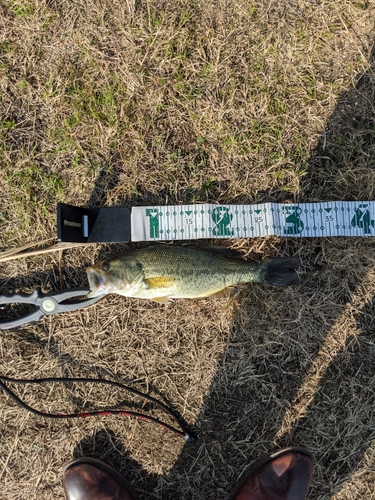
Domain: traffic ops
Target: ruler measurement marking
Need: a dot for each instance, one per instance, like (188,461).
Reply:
(266,226)
(321,227)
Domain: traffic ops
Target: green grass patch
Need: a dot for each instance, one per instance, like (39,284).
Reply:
(34,185)
(21,8)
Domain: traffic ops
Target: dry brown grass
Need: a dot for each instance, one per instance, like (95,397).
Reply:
(131,102)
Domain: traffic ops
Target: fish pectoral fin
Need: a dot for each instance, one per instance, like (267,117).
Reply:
(159,282)
(230,291)
(162,300)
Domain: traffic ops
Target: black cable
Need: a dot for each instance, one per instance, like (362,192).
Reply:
(97,413)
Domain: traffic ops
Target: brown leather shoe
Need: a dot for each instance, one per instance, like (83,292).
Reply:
(91,479)
(283,475)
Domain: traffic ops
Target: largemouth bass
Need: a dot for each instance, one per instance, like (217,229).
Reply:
(164,272)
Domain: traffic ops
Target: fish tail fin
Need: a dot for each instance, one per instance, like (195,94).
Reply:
(281,271)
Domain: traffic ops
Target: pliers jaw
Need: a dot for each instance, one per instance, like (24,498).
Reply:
(56,301)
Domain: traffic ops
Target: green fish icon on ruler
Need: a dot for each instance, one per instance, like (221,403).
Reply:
(293,223)
(362,219)
(222,218)
(153,215)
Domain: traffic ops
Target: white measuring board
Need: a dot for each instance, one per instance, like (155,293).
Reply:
(189,222)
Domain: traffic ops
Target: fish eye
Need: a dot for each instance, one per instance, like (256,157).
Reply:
(105,266)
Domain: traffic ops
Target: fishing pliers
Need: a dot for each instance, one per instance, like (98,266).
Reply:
(56,301)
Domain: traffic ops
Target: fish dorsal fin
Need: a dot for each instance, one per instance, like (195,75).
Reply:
(159,282)
(230,291)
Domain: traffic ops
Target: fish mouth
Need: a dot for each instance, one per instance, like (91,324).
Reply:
(97,283)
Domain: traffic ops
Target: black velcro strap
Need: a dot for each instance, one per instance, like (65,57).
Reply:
(93,225)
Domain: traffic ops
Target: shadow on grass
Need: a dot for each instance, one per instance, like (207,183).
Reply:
(344,161)
(340,420)
(108,178)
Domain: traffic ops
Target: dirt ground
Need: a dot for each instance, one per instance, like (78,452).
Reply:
(123,103)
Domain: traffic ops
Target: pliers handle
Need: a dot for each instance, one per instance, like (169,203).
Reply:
(45,303)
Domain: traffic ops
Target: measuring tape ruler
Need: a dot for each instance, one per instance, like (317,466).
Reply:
(194,221)
(188,222)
